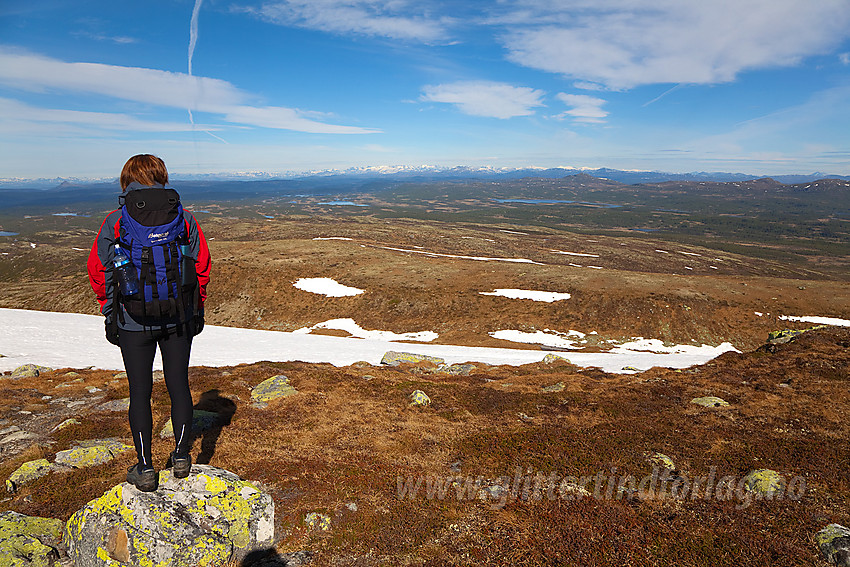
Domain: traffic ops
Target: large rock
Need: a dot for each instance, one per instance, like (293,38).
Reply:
(208,518)
(28,540)
(27,472)
(92,452)
(29,371)
(394,358)
(122,404)
(272,389)
(710,402)
(834,543)
(764,483)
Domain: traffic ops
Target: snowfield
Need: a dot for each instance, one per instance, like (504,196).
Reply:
(326,286)
(818,320)
(71,340)
(547,296)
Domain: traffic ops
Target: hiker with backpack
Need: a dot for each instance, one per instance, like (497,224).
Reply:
(149,267)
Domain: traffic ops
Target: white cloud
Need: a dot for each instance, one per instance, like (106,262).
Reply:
(14,112)
(366,17)
(484,98)
(844,58)
(36,73)
(584,108)
(626,43)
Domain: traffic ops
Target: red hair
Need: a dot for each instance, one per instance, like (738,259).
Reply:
(144,169)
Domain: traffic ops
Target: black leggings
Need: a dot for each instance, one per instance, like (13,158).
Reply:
(138,349)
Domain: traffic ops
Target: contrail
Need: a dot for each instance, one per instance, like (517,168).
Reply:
(193,39)
(662,95)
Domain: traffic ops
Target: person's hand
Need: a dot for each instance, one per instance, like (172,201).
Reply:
(111,331)
(198,323)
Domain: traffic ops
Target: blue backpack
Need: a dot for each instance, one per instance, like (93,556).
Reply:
(153,230)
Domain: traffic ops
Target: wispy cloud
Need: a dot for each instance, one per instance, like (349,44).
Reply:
(35,73)
(396,19)
(484,98)
(626,43)
(119,39)
(16,112)
(584,108)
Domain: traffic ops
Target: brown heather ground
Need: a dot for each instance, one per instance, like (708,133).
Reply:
(347,438)
(344,438)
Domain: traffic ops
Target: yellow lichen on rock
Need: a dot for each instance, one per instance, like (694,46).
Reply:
(208,518)
(27,472)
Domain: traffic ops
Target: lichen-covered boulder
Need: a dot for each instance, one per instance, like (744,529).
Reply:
(92,452)
(272,389)
(122,404)
(201,421)
(27,472)
(787,335)
(559,387)
(661,460)
(208,518)
(28,540)
(764,483)
(834,543)
(419,398)
(710,402)
(394,358)
(553,358)
(29,371)
(67,423)
(456,369)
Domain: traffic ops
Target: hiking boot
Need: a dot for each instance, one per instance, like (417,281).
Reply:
(180,465)
(143,479)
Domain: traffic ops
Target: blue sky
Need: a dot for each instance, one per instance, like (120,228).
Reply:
(753,86)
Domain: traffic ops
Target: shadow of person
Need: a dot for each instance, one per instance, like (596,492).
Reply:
(213,401)
(271,558)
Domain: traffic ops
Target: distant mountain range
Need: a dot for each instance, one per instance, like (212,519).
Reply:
(425,173)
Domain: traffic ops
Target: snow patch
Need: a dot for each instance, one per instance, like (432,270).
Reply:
(818,320)
(479,258)
(547,296)
(77,341)
(547,337)
(326,286)
(355,330)
(575,253)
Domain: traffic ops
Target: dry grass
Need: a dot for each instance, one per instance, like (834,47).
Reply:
(346,439)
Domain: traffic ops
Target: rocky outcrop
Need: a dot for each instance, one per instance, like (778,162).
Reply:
(27,472)
(29,371)
(710,402)
(272,389)
(28,540)
(394,358)
(764,483)
(419,398)
(209,518)
(834,543)
(92,452)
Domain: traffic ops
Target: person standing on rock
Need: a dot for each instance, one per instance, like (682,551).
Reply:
(149,267)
